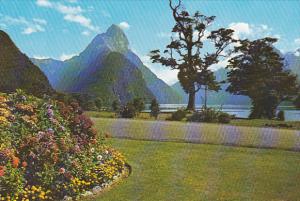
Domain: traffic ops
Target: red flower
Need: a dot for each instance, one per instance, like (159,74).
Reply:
(2,171)
(15,162)
(24,164)
(62,170)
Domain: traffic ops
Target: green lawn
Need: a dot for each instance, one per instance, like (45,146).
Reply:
(207,133)
(236,122)
(183,171)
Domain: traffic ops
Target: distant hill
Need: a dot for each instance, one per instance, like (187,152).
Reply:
(216,98)
(18,72)
(108,69)
(291,61)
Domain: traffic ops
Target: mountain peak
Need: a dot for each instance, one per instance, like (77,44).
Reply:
(114,29)
(117,38)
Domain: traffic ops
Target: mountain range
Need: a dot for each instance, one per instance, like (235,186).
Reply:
(108,69)
(18,72)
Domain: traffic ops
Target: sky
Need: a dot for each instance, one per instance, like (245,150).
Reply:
(60,29)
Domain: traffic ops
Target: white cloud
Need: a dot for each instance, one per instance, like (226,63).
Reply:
(64,56)
(124,25)
(166,74)
(44,3)
(68,9)
(244,30)
(86,33)
(297,41)
(83,21)
(240,29)
(71,13)
(40,57)
(40,21)
(27,26)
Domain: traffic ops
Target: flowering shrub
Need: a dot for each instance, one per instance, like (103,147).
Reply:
(49,150)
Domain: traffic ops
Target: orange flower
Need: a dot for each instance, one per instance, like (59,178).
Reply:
(15,162)
(2,171)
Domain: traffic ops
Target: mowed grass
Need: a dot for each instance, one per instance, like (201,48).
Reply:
(184,171)
(235,122)
(208,133)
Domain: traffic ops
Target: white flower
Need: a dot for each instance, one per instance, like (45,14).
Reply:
(106,152)
(99,157)
(92,150)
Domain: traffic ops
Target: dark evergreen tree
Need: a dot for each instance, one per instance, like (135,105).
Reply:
(116,106)
(154,107)
(257,71)
(98,103)
(184,51)
(139,104)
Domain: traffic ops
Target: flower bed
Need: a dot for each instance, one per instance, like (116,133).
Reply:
(50,151)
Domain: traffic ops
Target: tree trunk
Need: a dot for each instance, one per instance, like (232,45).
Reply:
(205,98)
(191,103)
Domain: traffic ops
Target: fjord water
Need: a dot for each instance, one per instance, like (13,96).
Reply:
(240,111)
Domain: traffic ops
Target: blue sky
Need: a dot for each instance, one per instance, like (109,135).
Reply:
(59,29)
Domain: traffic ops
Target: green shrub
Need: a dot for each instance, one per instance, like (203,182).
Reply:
(154,109)
(210,115)
(280,115)
(128,111)
(179,115)
(224,118)
(49,150)
(139,104)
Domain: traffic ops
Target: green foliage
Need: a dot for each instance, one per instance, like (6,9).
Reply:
(154,108)
(18,72)
(129,111)
(185,53)
(210,115)
(258,72)
(179,115)
(98,103)
(49,150)
(297,101)
(139,104)
(280,115)
(116,106)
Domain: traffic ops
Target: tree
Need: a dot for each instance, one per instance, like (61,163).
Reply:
(116,106)
(129,110)
(139,104)
(297,101)
(154,107)
(98,103)
(183,53)
(257,71)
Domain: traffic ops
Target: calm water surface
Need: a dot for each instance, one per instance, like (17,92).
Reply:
(241,111)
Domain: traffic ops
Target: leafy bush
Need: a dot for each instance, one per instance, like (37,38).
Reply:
(128,111)
(210,115)
(116,106)
(224,118)
(179,115)
(139,104)
(280,115)
(154,107)
(49,150)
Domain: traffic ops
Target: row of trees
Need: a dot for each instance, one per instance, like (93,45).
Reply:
(256,70)
(132,108)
